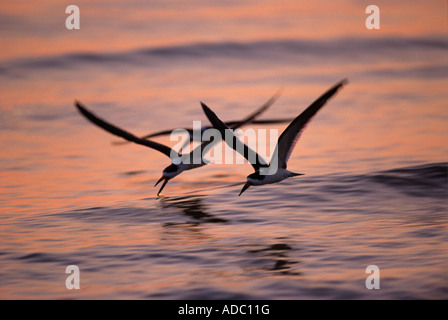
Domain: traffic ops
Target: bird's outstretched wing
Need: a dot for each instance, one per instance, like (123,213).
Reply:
(249,119)
(292,133)
(233,141)
(120,132)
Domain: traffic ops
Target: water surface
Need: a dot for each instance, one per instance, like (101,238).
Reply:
(375,159)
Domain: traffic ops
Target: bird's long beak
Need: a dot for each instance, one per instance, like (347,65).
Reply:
(163,185)
(247,185)
(158,181)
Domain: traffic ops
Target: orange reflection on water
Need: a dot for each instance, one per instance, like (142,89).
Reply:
(67,190)
(39,29)
(63,161)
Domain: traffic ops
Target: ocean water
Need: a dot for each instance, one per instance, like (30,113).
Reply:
(375,157)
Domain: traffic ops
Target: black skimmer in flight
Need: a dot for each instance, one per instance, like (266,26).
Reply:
(275,171)
(180,162)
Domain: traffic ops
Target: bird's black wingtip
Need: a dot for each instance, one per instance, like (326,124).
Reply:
(209,113)
(78,105)
(278,93)
(339,85)
(204,106)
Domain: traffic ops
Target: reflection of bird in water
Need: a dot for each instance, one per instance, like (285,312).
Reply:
(192,207)
(279,253)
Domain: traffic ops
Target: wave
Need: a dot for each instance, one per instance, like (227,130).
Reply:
(346,49)
(428,180)
(424,181)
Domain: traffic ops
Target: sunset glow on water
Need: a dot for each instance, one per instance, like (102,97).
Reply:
(374,158)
